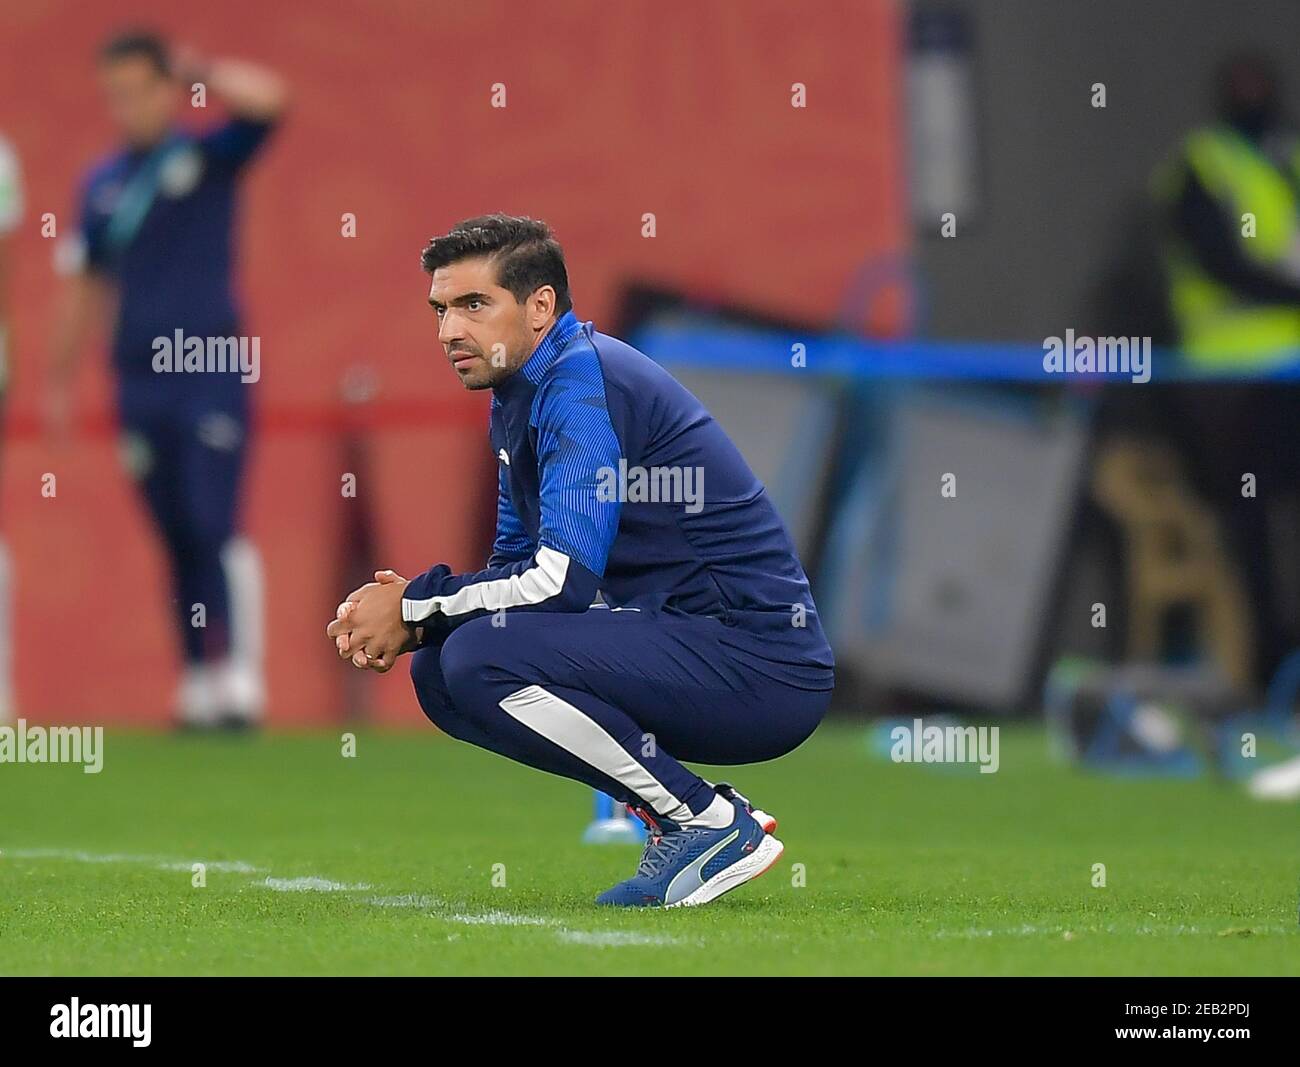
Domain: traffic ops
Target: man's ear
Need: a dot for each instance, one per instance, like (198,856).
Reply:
(541,306)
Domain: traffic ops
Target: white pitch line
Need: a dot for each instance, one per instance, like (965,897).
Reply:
(617,938)
(301,884)
(157,862)
(305,884)
(499,918)
(316,884)
(311,884)
(592,938)
(406,900)
(1027,930)
(220,866)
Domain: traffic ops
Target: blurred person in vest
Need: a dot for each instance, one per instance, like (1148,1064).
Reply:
(1232,251)
(1230,209)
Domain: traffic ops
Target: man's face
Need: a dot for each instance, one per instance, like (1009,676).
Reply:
(1250,96)
(141,100)
(484,330)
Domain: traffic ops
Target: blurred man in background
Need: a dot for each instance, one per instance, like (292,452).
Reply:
(156,241)
(1230,203)
(11,210)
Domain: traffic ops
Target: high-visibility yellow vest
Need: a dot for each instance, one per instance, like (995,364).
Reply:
(1217,328)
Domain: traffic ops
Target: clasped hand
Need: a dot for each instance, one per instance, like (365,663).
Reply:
(368,628)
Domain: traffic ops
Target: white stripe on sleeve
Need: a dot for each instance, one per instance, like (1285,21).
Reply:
(537,583)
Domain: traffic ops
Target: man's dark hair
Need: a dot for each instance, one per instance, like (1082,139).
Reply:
(526,253)
(142,44)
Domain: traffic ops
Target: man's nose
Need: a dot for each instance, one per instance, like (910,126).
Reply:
(449,329)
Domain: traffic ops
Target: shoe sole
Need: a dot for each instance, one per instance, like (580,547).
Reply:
(746,869)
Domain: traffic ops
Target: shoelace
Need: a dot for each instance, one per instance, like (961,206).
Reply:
(660,847)
(659,851)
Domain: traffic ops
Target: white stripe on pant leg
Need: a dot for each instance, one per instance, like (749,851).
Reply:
(242,565)
(576,732)
(244,680)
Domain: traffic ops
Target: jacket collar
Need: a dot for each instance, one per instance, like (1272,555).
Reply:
(545,354)
(543,357)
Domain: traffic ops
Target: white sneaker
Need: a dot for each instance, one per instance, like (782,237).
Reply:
(198,698)
(243,694)
(1279,782)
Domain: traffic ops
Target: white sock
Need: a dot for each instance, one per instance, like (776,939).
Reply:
(721,812)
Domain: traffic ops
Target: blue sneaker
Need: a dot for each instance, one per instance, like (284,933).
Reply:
(683,866)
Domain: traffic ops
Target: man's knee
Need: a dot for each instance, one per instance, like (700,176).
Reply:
(474,655)
(207,529)
(431,688)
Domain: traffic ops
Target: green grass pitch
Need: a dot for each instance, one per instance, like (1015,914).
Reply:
(422,855)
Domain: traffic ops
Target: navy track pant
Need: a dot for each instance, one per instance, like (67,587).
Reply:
(615,698)
(186,448)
